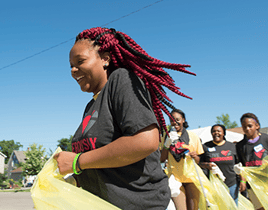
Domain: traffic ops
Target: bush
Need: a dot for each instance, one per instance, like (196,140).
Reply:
(3,177)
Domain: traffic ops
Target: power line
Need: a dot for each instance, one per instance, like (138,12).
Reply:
(124,16)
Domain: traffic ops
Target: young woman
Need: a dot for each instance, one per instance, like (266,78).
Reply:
(221,153)
(115,149)
(189,195)
(251,150)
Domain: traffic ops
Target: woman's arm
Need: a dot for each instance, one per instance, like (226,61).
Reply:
(164,155)
(121,152)
(242,185)
(194,156)
(207,165)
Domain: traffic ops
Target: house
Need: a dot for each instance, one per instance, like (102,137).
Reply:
(236,130)
(15,159)
(2,162)
(264,130)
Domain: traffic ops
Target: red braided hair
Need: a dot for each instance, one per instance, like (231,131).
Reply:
(126,53)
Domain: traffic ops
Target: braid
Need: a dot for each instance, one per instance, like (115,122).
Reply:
(126,53)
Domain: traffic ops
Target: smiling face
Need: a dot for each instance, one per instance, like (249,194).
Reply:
(179,119)
(250,128)
(88,66)
(217,134)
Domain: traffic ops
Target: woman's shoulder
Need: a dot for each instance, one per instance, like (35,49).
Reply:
(229,143)
(209,144)
(192,135)
(264,135)
(123,76)
(121,73)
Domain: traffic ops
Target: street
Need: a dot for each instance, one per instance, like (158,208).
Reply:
(16,201)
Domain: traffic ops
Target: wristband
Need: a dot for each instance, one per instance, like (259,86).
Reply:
(165,147)
(243,181)
(77,162)
(74,164)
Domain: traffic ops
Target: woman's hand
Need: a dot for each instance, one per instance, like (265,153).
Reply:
(242,187)
(195,156)
(207,165)
(65,161)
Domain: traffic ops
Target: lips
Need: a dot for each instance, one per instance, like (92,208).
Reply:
(78,79)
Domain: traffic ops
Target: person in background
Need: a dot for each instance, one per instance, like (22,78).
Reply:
(220,157)
(251,150)
(115,148)
(188,197)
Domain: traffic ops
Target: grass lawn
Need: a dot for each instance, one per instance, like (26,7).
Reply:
(15,190)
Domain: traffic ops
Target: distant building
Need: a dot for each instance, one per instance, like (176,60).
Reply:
(2,162)
(236,130)
(15,159)
(264,130)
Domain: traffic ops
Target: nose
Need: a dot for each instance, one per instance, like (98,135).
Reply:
(74,69)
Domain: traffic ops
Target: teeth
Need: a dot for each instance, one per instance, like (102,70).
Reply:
(78,78)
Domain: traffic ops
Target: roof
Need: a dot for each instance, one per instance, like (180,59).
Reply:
(20,156)
(264,130)
(236,130)
(17,170)
(3,155)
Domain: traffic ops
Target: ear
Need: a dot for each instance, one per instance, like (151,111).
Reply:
(106,58)
(257,126)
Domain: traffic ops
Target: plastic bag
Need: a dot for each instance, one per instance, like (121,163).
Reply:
(214,194)
(50,191)
(223,190)
(209,196)
(257,177)
(244,203)
(174,186)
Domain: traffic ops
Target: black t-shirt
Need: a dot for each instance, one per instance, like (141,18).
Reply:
(203,159)
(251,154)
(123,108)
(225,158)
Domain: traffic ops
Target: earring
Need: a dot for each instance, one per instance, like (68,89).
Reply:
(105,64)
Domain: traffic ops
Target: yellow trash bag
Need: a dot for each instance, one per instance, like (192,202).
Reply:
(244,203)
(50,191)
(257,177)
(223,190)
(209,198)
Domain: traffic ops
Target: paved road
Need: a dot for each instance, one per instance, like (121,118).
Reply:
(16,201)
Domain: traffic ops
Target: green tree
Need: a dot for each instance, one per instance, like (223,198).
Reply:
(65,144)
(35,160)
(3,177)
(224,119)
(7,147)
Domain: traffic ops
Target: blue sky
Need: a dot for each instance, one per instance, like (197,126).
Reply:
(225,42)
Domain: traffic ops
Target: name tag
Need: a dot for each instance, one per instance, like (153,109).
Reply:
(211,149)
(258,148)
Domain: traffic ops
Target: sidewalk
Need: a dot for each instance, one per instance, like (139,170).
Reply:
(16,201)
